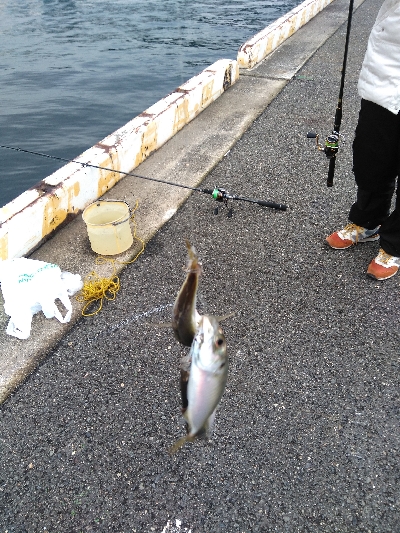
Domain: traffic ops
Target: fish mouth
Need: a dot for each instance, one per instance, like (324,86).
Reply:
(194,266)
(209,327)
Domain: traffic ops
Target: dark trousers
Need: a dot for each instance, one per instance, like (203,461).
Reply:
(376,166)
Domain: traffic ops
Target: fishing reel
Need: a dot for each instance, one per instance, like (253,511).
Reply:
(330,148)
(222,196)
(331,145)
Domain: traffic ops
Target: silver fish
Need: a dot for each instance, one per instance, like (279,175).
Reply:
(207,379)
(185,318)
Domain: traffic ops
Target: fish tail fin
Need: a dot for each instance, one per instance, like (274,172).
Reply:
(179,443)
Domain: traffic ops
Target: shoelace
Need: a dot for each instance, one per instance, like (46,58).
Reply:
(384,257)
(350,228)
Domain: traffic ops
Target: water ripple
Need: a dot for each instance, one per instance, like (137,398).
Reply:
(76,70)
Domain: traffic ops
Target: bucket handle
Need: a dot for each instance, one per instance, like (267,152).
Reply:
(121,221)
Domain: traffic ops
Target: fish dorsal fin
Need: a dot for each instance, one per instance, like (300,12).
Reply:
(159,324)
(224,317)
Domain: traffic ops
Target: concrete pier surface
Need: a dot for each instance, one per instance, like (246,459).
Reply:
(307,433)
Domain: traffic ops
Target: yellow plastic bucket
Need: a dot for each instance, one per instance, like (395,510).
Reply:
(107,223)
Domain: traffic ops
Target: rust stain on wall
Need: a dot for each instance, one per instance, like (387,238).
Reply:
(251,54)
(227,78)
(4,247)
(53,214)
(106,147)
(207,93)
(72,193)
(109,175)
(293,25)
(149,140)
(106,181)
(138,159)
(270,44)
(181,116)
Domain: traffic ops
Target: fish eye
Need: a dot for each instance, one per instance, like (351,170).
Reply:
(220,341)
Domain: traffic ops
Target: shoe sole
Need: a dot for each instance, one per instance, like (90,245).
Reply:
(368,239)
(381,279)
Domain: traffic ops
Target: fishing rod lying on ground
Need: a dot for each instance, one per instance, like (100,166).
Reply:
(218,194)
(331,146)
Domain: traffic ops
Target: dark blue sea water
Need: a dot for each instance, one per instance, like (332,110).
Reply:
(74,71)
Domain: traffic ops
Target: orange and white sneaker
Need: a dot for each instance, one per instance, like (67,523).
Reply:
(351,234)
(384,266)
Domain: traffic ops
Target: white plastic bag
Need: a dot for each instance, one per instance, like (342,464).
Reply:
(30,286)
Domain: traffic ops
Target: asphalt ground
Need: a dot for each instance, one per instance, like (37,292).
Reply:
(307,434)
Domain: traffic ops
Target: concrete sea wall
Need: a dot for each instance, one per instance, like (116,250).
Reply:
(32,217)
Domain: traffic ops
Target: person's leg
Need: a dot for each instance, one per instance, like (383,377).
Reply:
(371,208)
(375,167)
(375,164)
(390,228)
(387,263)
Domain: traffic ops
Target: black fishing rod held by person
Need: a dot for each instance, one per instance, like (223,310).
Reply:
(331,144)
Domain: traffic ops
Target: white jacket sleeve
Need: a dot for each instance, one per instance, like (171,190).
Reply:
(379,79)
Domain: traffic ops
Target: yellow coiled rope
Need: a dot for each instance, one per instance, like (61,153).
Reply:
(95,288)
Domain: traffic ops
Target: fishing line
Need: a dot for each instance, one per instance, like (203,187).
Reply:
(218,194)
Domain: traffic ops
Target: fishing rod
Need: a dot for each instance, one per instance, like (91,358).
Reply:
(331,145)
(218,194)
